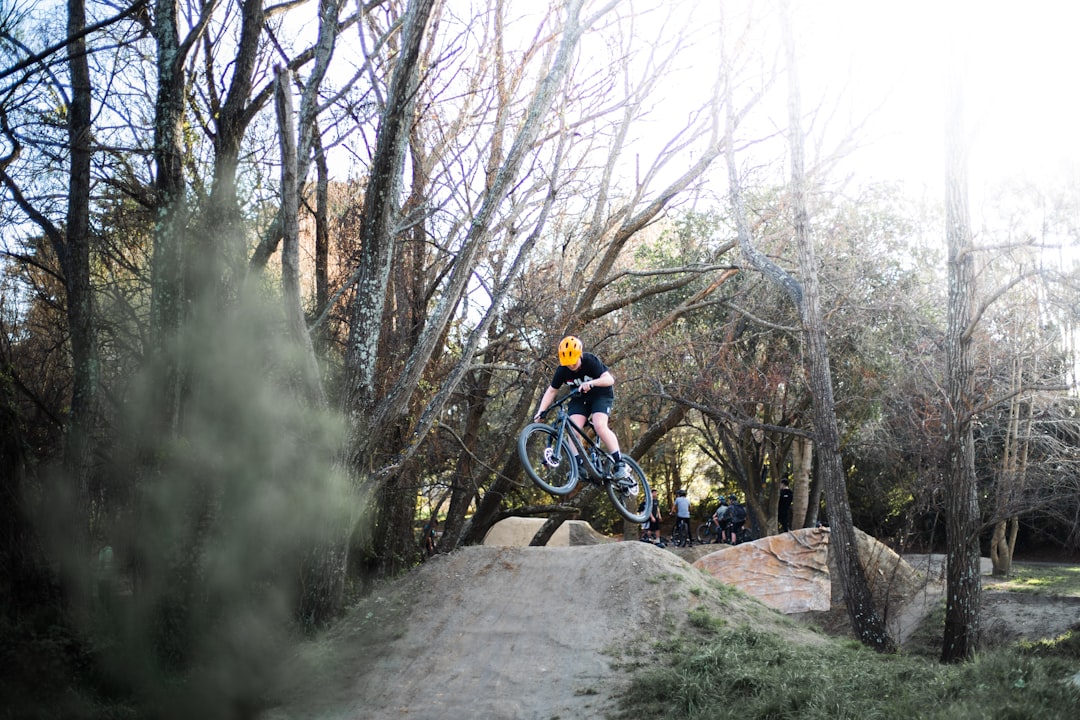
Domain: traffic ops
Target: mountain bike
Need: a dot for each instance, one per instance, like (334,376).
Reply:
(544,450)
(680,534)
(708,532)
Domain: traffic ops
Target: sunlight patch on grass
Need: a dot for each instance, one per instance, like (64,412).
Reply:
(1045,580)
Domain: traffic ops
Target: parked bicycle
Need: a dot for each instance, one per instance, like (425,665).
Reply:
(709,532)
(544,450)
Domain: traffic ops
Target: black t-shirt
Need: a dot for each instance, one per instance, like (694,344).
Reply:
(591,368)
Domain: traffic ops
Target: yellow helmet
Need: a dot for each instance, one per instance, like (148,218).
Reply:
(569,350)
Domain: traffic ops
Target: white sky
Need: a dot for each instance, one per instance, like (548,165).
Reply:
(1023,97)
(1023,100)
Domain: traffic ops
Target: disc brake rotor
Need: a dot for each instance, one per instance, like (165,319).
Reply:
(550,458)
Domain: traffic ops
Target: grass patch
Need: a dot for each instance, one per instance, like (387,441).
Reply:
(714,670)
(723,672)
(1061,580)
(663,579)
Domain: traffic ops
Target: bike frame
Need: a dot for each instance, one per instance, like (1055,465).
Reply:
(563,439)
(578,438)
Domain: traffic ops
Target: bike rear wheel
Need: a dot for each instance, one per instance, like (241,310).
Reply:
(680,534)
(554,472)
(628,495)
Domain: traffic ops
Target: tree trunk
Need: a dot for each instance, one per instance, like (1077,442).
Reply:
(167,287)
(222,235)
(1003,545)
(1000,550)
(802,452)
(963,581)
(74,257)
(465,480)
(323,594)
(308,384)
(322,245)
(377,243)
(487,508)
(864,617)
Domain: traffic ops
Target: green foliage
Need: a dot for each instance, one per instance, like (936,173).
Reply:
(49,671)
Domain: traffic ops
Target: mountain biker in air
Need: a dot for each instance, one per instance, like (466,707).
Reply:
(589,374)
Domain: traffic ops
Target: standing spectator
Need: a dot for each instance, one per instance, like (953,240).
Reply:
(430,530)
(736,517)
(719,521)
(783,510)
(681,509)
(651,526)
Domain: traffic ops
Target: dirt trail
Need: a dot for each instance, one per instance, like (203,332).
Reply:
(523,633)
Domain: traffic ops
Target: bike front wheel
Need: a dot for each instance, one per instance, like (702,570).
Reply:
(631,494)
(704,533)
(553,471)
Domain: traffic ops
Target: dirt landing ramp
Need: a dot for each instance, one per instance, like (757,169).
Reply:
(511,633)
(518,531)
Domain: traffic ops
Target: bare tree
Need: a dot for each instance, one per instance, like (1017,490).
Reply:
(963,583)
(864,617)
(599,284)
(74,254)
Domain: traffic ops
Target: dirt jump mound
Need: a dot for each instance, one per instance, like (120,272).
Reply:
(519,532)
(508,632)
(505,631)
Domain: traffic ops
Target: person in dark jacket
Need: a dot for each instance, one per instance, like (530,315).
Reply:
(783,510)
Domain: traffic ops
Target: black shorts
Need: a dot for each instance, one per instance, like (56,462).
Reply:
(582,404)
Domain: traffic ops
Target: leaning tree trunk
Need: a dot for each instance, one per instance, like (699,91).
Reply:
(868,626)
(963,587)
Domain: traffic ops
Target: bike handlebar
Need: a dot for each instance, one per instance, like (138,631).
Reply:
(573,391)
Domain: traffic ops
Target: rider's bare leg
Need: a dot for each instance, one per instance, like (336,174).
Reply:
(578,420)
(605,433)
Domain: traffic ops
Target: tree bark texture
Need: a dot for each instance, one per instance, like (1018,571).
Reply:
(74,256)
(1011,474)
(168,294)
(963,581)
(223,233)
(377,241)
(865,620)
(802,459)
(308,384)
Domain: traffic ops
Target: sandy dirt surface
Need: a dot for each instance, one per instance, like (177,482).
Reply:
(546,633)
(508,632)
